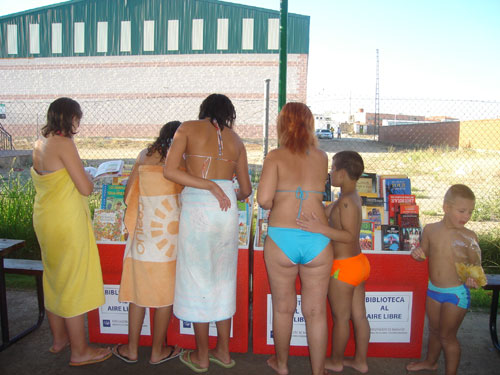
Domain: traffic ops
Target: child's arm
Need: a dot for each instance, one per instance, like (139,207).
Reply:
(349,220)
(422,252)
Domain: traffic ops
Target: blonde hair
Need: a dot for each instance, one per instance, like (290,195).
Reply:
(458,191)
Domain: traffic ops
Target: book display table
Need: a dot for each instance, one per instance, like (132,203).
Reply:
(395,303)
(109,323)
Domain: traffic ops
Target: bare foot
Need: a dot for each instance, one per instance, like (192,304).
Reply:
(356,365)
(89,356)
(422,365)
(273,363)
(58,347)
(333,366)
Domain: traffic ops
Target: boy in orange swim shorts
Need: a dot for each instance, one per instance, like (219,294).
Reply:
(351,268)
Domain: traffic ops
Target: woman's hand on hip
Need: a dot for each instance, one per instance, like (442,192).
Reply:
(224,201)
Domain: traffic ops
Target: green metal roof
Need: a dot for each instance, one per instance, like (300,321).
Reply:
(90,12)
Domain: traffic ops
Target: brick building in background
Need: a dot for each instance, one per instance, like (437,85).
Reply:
(144,62)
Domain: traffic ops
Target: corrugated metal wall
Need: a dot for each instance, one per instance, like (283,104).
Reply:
(90,12)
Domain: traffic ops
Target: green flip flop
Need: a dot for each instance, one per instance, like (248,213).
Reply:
(217,361)
(193,366)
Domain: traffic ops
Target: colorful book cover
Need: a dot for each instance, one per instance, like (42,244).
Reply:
(123,179)
(395,186)
(244,220)
(373,210)
(408,220)
(410,238)
(108,225)
(112,197)
(394,201)
(390,237)
(262,224)
(366,235)
(380,181)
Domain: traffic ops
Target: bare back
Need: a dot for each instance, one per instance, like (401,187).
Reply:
(284,172)
(447,246)
(202,150)
(57,152)
(46,156)
(345,215)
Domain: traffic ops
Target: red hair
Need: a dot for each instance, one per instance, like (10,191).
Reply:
(296,127)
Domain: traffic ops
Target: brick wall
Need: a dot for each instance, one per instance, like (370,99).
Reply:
(117,92)
(429,134)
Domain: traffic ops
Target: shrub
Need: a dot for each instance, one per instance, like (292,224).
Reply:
(17,195)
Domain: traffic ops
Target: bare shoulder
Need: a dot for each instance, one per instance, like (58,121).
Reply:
(142,157)
(274,155)
(349,201)
(320,153)
(432,228)
(191,126)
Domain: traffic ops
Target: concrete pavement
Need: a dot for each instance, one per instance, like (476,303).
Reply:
(30,355)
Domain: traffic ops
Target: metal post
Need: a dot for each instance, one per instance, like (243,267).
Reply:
(266,117)
(283,54)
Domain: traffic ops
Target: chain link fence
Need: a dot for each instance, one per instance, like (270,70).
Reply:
(435,142)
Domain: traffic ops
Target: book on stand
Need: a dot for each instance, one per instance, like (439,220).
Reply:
(380,181)
(261,230)
(245,210)
(367,183)
(395,186)
(410,238)
(107,169)
(373,210)
(108,225)
(112,197)
(394,202)
(407,215)
(366,235)
(390,237)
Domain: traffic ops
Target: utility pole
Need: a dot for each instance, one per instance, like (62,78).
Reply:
(283,54)
(377,103)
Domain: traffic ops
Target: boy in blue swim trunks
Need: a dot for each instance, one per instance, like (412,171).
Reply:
(447,243)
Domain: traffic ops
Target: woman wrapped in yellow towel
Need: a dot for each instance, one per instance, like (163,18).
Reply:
(72,277)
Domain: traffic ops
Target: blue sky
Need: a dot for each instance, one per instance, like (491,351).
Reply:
(432,49)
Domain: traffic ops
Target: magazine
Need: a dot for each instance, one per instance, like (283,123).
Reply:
(107,169)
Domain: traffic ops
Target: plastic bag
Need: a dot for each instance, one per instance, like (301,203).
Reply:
(468,259)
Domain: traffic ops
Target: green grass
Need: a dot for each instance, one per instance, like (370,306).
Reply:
(487,210)
(490,251)
(14,281)
(480,298)
(17,195)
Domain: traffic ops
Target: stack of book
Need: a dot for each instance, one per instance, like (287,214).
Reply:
(390,210)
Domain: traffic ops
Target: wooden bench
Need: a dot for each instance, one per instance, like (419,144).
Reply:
(34,268)
(494,285)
